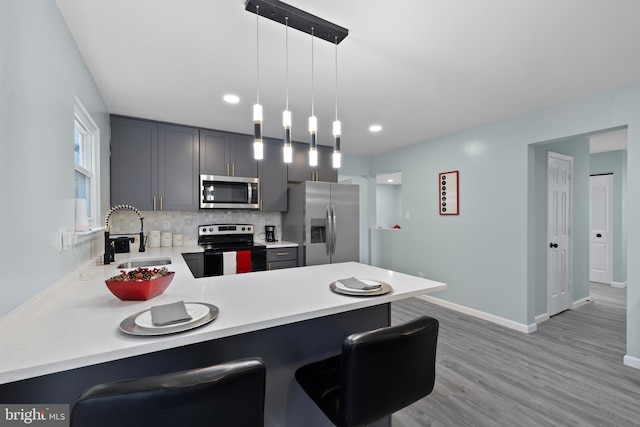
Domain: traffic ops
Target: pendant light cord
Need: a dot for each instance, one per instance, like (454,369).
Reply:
(336,55)
(312,102)
(286,60)
(257,55)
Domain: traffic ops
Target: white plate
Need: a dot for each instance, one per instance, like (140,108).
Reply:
(128,325)
(196,311)
(340,288)
(375,283)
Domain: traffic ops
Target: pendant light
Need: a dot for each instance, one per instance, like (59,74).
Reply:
(337,157)
(287,150)
(258,152)
(313,121)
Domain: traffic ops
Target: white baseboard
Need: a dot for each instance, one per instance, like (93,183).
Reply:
(619,284)
(634,362)
(541,318)
(520,327)
(579,303)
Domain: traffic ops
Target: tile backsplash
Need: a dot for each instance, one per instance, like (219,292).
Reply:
(186,223)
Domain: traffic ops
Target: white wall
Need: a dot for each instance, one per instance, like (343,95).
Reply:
(41,71)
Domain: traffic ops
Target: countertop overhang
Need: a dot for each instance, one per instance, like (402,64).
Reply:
(74,323)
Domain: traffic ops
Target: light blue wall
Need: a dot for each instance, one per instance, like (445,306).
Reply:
(487,254)
(615,162)
(41,71)
(578,148)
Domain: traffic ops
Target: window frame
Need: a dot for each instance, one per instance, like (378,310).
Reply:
(84,123)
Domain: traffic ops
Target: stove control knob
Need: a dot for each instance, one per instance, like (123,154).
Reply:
(204,229)
(243,228)
(248,228)
(211,229)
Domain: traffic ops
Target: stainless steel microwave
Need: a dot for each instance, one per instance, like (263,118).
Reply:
(229,192)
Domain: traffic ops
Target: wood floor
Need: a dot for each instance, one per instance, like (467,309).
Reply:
(568,373)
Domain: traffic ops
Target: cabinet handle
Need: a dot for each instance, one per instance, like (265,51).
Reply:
(260,204)
(227,169)
(233,169)
(154,203)
(282,253)
(161,203)
(269,266)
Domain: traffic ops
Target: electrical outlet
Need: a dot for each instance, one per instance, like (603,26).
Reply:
(420,274)
(407,216)
(166,224)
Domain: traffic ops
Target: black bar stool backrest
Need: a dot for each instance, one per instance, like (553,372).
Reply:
(378,373)
(226,395)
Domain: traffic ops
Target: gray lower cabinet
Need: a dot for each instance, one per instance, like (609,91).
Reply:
(227,154)
(299,169)
(272,171)
(154,166)
(278,258)
(195,261)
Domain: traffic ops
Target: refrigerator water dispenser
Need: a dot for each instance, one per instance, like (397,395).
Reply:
(318,230)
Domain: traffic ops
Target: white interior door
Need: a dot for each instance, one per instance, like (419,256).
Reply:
(559,224)
(600,245)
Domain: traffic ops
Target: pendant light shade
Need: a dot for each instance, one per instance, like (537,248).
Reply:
(313,146)
(258,149)
(337,127)
(337,157)
(313,121)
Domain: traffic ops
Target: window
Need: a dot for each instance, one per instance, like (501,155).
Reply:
(86,150)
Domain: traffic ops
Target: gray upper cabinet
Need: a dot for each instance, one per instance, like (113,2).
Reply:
(134,162)
(226,154)
(299,169)
(272,171)
(178,174)
(154,166)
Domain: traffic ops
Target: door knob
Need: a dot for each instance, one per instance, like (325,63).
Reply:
(598,235)
(553,245)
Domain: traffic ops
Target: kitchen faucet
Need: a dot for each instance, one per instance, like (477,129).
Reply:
(109,249)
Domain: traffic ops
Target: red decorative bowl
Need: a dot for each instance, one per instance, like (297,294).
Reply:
(140,290)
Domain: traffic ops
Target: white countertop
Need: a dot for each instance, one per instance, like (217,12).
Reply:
(279,244)
(74,322)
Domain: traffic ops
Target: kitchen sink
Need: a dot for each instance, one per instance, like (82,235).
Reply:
(144,262)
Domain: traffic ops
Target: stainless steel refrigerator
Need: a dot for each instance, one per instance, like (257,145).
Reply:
(323,218)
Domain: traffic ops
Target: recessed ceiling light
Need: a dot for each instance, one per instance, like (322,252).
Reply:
(375,128)
(389,180)
(231,99)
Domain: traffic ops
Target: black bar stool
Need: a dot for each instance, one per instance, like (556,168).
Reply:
(378,373)
(226,395)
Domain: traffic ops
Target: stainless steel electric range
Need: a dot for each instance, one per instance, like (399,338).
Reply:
(218,240)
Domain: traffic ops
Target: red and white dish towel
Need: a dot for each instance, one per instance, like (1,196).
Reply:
(236,262)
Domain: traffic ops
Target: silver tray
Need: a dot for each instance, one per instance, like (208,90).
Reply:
(129,326)
(384,289)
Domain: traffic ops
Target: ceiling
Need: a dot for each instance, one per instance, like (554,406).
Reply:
(418,68)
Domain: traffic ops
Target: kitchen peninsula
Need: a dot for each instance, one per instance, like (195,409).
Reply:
(67,338)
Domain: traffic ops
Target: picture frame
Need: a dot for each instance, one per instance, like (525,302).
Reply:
(448,193)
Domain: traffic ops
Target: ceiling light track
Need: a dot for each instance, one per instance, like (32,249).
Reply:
(298,19)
